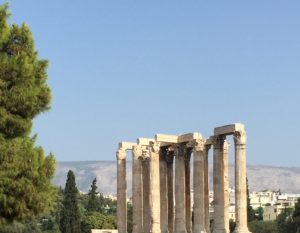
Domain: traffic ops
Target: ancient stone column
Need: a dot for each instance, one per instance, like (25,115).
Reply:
(121,192)
(154,188)
(240,182)
(188,208)
(146,190)
(221,225)
(206,189)
(226,186)
(163,190)
(180,220)
(170,186)
(199,189)
(137,191)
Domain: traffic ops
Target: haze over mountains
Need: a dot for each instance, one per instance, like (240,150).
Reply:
(260,177)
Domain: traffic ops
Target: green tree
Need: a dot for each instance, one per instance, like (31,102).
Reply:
(296,216)
(93,200)
(25,172)
(285,223)
(97,220)
(259,213)
(250,211)
(70,215)
(263,227)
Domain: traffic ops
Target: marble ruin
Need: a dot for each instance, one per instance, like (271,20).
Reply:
(161,188)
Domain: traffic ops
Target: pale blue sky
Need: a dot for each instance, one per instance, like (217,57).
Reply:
(124,69)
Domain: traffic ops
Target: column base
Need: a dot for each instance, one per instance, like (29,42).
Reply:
(183,231)
(201,231)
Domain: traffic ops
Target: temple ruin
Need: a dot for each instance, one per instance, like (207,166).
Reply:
(161,188)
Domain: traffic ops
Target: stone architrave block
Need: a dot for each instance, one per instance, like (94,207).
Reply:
(126,145)
(229,129)
(144,141)
(189,137)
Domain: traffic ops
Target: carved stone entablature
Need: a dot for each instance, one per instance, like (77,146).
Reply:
(121,154)
(199,145)
(137,152)
(240,137)
(218,141)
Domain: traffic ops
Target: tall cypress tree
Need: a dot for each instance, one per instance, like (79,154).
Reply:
(70,215)
(93,201)
(25,172)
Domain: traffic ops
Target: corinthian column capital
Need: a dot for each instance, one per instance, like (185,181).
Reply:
(146,154)
(121,154)
(240,137)
(137,151)
(199,145)
(218,141)
(154,147)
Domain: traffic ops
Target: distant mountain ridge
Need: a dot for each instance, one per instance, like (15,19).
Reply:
(260,177)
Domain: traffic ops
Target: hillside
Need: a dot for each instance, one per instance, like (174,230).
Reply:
(260,177)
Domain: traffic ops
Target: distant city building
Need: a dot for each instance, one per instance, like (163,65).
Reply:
(263,198)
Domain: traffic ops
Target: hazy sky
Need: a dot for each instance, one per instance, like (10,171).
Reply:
(125,69)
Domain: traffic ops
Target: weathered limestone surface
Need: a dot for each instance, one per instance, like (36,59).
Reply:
(188,207)
(126,145)
(229,129)
(206,189)
(240,182)
(137,191)
(154,208)
(154,190)
(221,225)
(199,189)
(146,190)
(189,137)
(163,190)
(121,192)
(170,180)
(225,197)
(180,220)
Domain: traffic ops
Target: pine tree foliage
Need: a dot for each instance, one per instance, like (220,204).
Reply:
(25,172)
(70,215)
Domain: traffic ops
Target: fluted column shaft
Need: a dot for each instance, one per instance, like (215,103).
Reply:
(240,182)
(146,191)
(199,189)
(180,220)
(154,188)
(221,225)
(163,190)
(121,192)
(137,191)
(206,189)
(188,208)
(170,181)
(226,186)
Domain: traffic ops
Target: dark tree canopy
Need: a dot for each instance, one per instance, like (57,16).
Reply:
(93,201)
(25,172)
(70,215)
